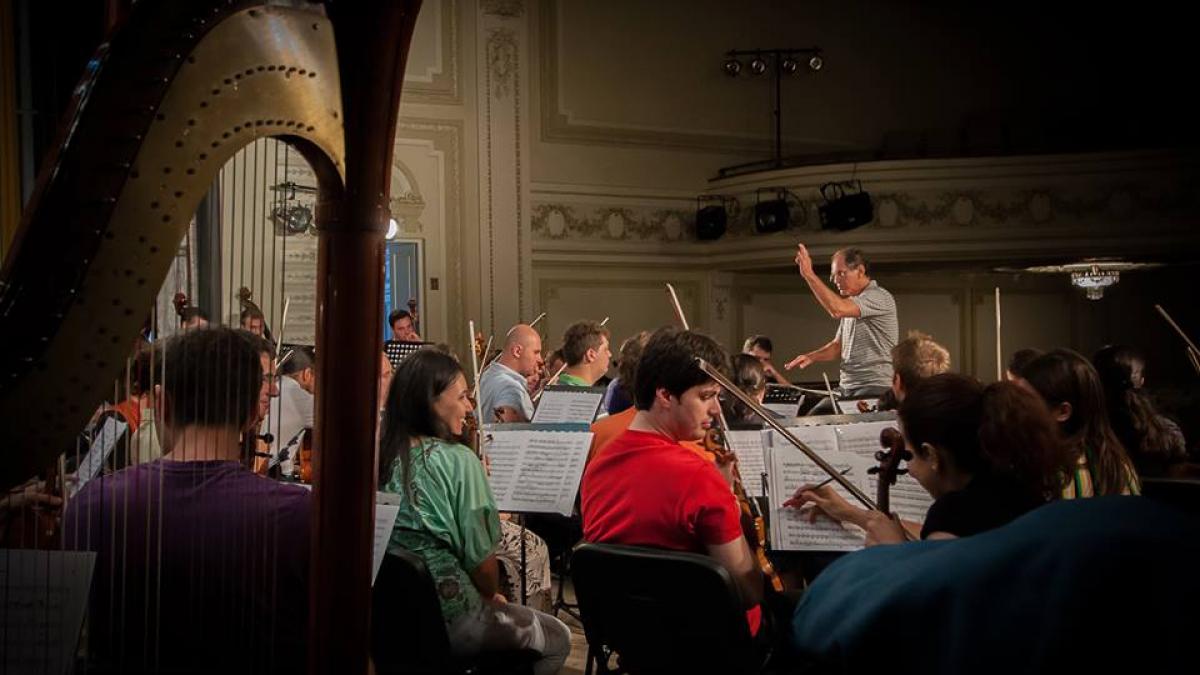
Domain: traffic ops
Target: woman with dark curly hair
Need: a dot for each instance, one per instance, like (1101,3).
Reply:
(985,454)
(1153,442)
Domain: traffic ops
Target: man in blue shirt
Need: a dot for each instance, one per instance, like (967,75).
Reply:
(502,393)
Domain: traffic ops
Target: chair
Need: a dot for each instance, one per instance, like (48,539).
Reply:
(408,634)
(660,611)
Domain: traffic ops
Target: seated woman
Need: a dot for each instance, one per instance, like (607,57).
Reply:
(448,515)
(1071,390)
(1153,441)
(749,376)
(986,454)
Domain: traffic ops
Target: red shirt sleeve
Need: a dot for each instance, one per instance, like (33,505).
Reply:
(710,510)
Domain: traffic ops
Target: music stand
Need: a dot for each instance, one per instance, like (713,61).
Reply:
(398,350)
(783,400)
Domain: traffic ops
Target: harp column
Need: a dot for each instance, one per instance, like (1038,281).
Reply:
(502,36)
(372,43)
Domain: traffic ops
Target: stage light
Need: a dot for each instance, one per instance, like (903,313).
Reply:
(732,67)
(844,210)
(816,62)
(712,218)
(771,215)
(758,66)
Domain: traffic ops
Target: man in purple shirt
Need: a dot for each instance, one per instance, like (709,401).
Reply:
(202,565)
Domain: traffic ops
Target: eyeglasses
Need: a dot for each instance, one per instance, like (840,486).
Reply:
(840,274)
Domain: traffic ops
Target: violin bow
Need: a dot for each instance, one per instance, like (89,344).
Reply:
(767,418)
(999,351)
(1192,351)
(678,308)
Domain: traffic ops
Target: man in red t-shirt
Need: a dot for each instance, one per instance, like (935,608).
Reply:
(646,489)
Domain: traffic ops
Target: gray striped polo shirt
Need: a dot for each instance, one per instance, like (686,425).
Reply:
(867,340)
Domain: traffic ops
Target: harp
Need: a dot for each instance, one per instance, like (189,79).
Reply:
(172,95)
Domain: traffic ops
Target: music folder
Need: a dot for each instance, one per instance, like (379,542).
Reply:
(536,468)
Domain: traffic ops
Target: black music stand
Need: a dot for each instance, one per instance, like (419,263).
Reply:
(398,350)
(780,395)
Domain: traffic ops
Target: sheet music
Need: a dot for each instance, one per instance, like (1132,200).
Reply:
(536,470)
(748,446)
(820,439)
(785,409)
(907,498)
(791,531)
(568,405)
(847,445)
(105,440)
(862,438)
(385,521)
(46,593)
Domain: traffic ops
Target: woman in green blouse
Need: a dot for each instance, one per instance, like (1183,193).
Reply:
(449,517)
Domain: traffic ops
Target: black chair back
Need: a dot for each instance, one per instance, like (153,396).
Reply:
(407,631)
(662,611)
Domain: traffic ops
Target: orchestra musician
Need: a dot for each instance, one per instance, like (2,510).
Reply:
(448,515)
(1154,442)
(749,374)
(1072,392)
(503,395)
(403,329)
(252,320)
(586,352)
(914,358)
(646,489)
(618,397)
(985,454)
(198,509)
(292,410)
(761,348)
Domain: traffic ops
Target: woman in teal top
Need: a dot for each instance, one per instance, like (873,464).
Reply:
(449,517)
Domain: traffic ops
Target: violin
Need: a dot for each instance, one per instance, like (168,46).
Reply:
(36,525)
(306,457)
(753,525)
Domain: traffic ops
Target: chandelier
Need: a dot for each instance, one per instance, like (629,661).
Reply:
(1092,275)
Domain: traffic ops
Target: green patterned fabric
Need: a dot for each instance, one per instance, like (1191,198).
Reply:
(448,517)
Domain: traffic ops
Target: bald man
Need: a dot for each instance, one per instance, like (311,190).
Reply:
(502,393)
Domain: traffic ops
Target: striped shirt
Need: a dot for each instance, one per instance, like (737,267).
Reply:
(867,340)
(1083,485)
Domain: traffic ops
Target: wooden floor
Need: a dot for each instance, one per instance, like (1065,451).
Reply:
(578,659)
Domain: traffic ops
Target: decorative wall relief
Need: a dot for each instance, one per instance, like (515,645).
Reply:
(502,53)
(562,221)
(509,9)
(1105,207)
(503,240)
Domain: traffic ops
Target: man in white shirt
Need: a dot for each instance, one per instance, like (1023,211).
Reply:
(292,410)
(502,393)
